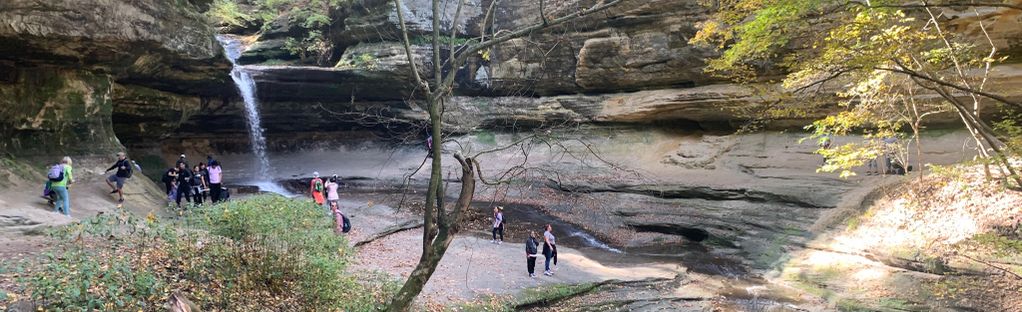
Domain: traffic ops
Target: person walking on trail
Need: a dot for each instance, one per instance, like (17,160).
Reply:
(498,224)
(61,176)
(215,179)
(198,185)
(116,180)
(531,252)
(184,184)
(317,188)
(549,250)
(169,178)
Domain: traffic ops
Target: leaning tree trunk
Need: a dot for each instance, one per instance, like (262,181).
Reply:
(447,227)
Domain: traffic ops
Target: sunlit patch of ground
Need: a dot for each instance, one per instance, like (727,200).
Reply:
(948,241)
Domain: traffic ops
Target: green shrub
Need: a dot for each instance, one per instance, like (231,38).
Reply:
(266,253)
(227,12)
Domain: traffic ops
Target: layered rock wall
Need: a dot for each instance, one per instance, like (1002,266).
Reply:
(78,72)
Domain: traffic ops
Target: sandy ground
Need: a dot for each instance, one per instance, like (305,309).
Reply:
(473,267)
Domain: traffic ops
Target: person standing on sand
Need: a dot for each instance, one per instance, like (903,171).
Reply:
(331,192)
(498,225)
(549,249)
(531,247)
(215,178)
(198,185)
(63,201)
(316,188)
(184,184)
(123,167)
(181,160)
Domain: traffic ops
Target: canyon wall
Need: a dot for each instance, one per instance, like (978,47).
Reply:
(83,77)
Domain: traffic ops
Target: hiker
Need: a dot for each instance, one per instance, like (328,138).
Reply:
(531,253)
(331,192)
(317,188)
(825,142)
(198,185)
(181,160)
(215,179)
(48,194)
(168,179)
(549,249)
(339,218)
(205,180)
(184,184)
(61,177)
(123,167)
(498,224)
(889,148)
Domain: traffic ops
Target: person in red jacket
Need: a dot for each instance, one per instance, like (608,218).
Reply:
(317,188)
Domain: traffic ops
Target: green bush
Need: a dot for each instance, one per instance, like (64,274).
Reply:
(266,253)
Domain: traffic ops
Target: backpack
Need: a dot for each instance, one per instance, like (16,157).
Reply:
(56,173)
(166,177)
(318,186)
(127,164)
(346,224)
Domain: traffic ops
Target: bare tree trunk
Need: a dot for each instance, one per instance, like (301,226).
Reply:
(437,245)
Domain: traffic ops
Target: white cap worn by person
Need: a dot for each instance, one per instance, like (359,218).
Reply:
(315,174)
(182,155)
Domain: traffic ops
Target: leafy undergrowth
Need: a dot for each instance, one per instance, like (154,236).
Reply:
(266,253)
(949,240)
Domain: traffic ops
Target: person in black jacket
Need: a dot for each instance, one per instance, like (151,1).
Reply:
(531,252)
(184,186)
(123,167)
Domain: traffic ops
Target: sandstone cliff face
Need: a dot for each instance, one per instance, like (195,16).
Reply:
(629,65)
(68,63)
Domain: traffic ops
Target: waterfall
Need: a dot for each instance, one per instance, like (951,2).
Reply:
(247,87)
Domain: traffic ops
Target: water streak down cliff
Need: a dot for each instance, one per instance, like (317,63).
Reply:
(247,87)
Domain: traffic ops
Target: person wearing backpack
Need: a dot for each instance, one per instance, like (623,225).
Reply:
(317,188)
(61,176)
(124,168)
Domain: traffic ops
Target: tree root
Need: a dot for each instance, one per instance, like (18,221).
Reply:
(404,226)
(545,302)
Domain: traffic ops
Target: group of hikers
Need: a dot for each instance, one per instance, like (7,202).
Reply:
(531,244)
(888,147)
(60,177)
(194,183)
(324,193)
